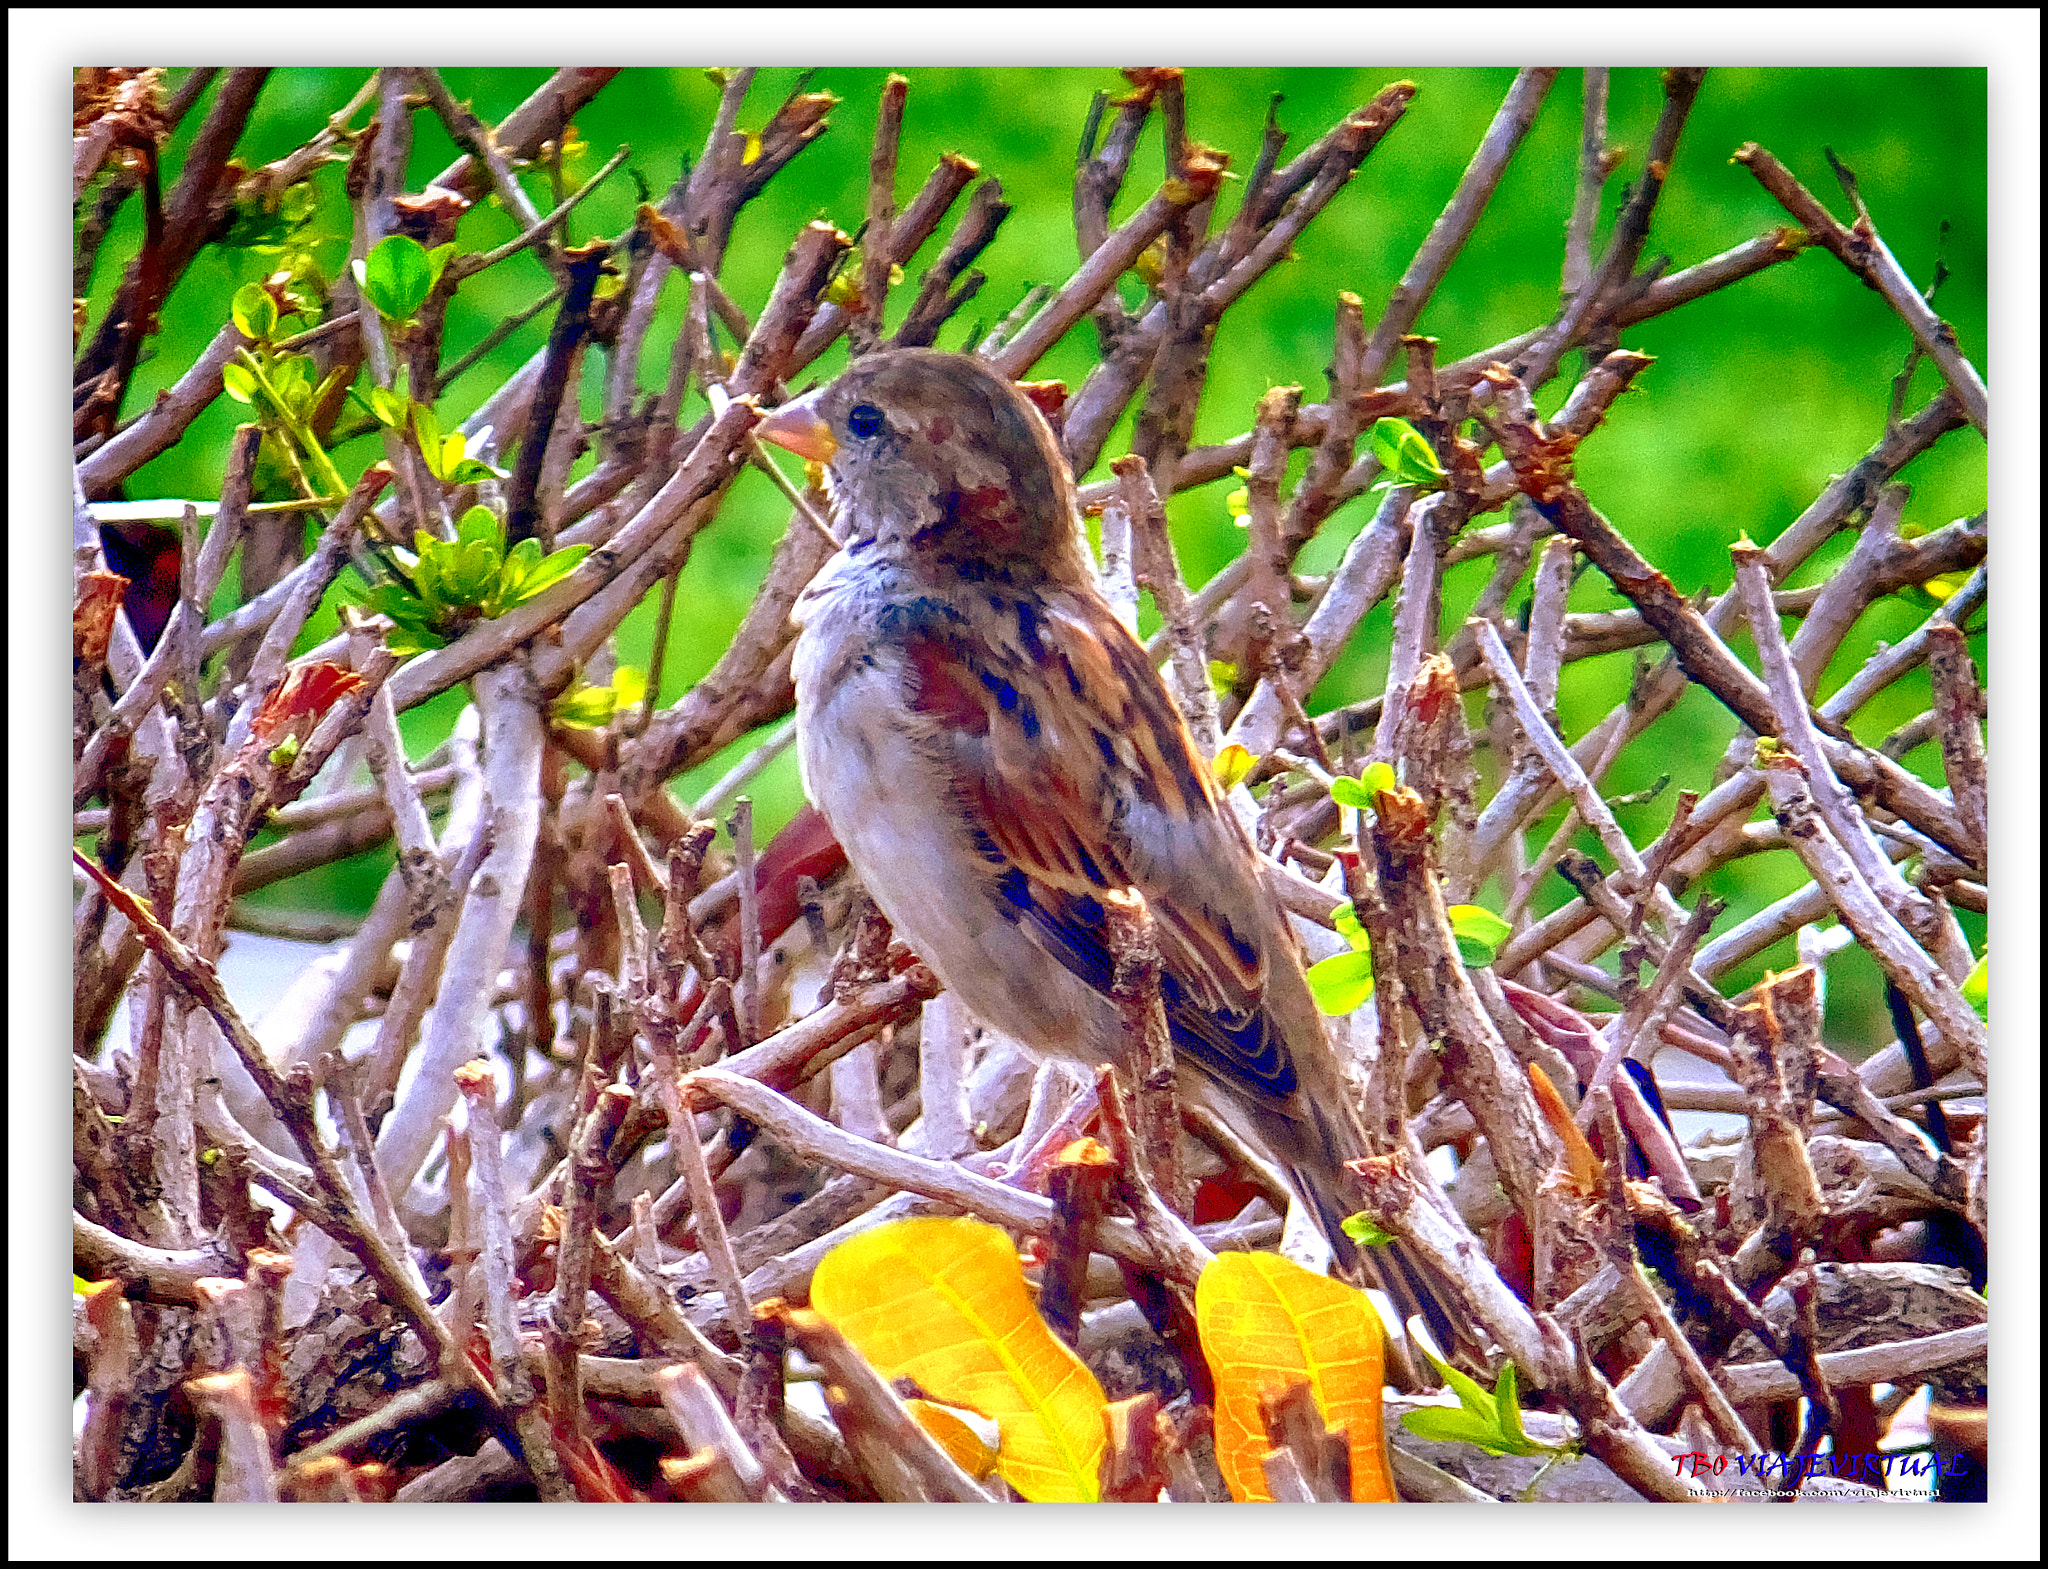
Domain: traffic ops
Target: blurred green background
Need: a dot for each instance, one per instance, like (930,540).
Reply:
(1760,393)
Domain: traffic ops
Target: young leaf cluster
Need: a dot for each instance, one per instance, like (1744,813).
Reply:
(1491,1420)
(473,577)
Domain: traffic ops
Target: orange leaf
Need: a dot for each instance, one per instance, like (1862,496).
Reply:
(967,1448)
(1579,1159)
(1266,1322)
(944,1302)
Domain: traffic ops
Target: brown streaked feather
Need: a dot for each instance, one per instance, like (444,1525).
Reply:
(1031,778)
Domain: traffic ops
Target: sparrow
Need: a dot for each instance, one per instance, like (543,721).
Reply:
(995,752)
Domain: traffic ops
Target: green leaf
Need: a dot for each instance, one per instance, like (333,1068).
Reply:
(518,566)
(844,289)
(437,263)
(1386,442)
(1346,791)
(588,707)
(1405,454)
(426,428)
(1349,927)
(1362,1229)
(396,277)
(1233,765)
(1945,587)
(470,470)
(1359,792)
(474,572)
(405,641)
(1492,1421)
(239,382)
(292,377)
(254,312)
(549,572)
(429,572)
(391,409)
(629,683)
(1977,988)
(1341,983)
(388,599)
(1479,932)
(583,708)
(481,523)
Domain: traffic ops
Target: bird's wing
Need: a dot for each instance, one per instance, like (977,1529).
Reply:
(1064,754)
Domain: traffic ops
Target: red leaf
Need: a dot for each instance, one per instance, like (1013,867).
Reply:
(302,701)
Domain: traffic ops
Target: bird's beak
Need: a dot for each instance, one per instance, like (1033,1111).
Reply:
(798,426)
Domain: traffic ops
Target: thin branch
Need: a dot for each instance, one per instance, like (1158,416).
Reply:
(1101,270)
(1860,250)
(1595,165)
(1536,728)
(1919,977)
(805,1135)
(1454,225)
(167,419)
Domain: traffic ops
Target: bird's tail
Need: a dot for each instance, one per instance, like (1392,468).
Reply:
(1311,1137)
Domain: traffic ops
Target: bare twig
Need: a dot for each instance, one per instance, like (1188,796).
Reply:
(904,1462)
(1860,250)
(512,746)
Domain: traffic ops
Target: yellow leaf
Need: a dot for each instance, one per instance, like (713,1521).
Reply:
(944,1302)
(1151,263)
(1233,764)
(966,1446)
(1945,587)
(1266,1322)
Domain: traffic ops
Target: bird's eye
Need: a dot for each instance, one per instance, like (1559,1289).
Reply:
(863,419)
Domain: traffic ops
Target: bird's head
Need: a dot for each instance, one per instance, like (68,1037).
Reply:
(941,463)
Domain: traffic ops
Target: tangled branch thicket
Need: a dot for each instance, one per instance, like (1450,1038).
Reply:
(513,1199)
